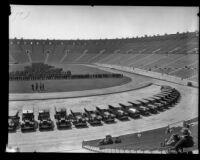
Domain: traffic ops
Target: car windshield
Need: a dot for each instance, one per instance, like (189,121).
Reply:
(120,111)
(143,108)
(106,113)
(132,109)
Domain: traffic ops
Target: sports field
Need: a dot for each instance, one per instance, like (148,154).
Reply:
(67,85)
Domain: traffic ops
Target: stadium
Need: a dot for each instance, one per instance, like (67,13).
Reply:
(67,95)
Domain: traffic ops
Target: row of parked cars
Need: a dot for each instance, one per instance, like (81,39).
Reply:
(122,111)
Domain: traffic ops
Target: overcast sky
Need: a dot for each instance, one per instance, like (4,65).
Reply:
(86,22)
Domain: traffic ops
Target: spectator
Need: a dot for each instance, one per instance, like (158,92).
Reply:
(186,125)
(185,141)
(172,140)
(117,140)
(168,130)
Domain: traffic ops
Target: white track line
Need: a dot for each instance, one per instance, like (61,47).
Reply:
(180,68)
(84,52)
(175,49)
(65,55)
(46,59)
(100,53)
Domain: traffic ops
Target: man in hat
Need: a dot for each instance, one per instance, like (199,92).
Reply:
(172,140)
(185,141)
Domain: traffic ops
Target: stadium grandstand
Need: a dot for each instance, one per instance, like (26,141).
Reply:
(174,54)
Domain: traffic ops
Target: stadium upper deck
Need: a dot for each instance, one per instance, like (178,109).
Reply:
(174,54)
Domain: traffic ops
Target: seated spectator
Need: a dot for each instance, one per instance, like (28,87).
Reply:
(186,125)
(118,140)
(185,141)
(172,140)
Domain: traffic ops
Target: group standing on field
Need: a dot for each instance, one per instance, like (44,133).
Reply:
(37,87)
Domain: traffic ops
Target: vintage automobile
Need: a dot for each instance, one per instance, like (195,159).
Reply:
(28,121)
(107,117)
(107,140)
(170,100)
(154,102)
(45,122)
(165,104)
(172,92)
(164,87)
(13,122)
(78,119)
(168,91)
(132,112)
(118,112)
(92,118)
(167,95)
(62,119)
(148,103)
(138,105)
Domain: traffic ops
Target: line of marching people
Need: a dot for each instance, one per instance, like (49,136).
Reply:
(38,87)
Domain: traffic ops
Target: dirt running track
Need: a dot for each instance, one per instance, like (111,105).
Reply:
(70,140)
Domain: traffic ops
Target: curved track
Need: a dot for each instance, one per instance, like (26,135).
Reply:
(70,140)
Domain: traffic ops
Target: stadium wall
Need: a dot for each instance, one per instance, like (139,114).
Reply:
(152,74)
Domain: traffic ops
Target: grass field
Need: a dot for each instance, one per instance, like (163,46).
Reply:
(67,85)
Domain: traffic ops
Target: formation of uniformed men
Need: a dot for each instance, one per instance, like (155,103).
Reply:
(38,87)
(40,71)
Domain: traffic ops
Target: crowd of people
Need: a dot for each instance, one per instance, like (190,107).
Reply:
(40,71)
(176,143)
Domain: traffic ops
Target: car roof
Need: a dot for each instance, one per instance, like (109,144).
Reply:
(77,109)
(151,105)
(44,110)
(116,105)
(165,94)
(150,98)
(60,109)
(126,103)
(27,111)
(143,107)
(144,100)
(154,97)
(135,102)
(102,106)
(168,91)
